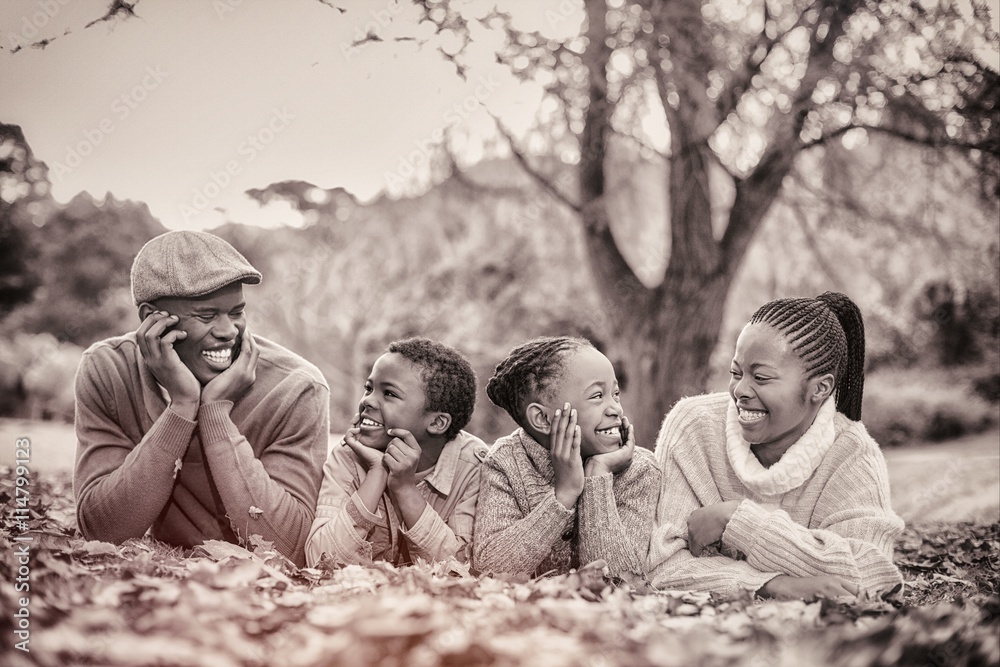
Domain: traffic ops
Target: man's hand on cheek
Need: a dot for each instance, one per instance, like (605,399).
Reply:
(156,338)
(233,382)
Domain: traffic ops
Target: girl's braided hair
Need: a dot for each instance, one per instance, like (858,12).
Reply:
(828,334)
(528,371)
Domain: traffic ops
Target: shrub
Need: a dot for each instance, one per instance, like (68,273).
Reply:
(919,404)
(37,376)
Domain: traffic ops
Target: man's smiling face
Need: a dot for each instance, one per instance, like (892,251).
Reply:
(214,324)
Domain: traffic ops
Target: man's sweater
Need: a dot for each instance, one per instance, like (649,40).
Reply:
(522,528)
(823,509)
(253,467)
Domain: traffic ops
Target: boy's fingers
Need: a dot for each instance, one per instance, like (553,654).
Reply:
(404,437)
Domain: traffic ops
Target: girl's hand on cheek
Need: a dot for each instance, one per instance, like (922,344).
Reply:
(567,463)
(613,462)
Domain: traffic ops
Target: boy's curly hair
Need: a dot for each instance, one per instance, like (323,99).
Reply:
(449,380)
(528,372)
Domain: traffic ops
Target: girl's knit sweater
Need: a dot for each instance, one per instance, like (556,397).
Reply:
(522,528)
(822,509)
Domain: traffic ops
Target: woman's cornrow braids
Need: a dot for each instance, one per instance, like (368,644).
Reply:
(828,334)
(528,371)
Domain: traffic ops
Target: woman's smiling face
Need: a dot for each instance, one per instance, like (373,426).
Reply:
(770,389)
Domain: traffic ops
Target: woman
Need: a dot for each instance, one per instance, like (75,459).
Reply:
(777,488)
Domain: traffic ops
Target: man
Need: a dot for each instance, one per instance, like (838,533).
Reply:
(191,425)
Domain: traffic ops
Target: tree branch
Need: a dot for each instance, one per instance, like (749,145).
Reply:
(117,9)
(751,66)
(529,169)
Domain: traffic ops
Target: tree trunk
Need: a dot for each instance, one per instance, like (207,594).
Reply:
(662,338)
(668,355)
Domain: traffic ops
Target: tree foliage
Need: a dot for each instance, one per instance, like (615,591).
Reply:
(743,89)
(24,186)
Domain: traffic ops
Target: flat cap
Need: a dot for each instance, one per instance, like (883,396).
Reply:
(184,264)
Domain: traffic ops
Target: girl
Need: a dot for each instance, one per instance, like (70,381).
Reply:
(777,488)
(569,486)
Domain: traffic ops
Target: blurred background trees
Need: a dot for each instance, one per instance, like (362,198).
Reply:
(689,161)
(748,93)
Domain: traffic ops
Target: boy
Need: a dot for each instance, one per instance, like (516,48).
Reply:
(405,481)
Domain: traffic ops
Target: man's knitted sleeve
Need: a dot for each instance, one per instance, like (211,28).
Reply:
(687,486)
(121,486)
(509,536)
(616,516)
(856,527)
(275,495)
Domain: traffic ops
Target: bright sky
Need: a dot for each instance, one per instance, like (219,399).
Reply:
(198,100)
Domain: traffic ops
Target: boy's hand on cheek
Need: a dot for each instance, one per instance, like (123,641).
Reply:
(612,462)
(401,459)
(567,463)
(369,457)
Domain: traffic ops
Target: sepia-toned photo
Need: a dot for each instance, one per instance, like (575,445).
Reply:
(459,333)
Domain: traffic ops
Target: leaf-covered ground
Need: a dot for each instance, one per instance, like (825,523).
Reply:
(91,603)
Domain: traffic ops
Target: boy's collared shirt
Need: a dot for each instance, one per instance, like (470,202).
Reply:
(346,532)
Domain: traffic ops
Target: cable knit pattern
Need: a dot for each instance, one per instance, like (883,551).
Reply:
(794,467)
(522,528)
(838,521)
